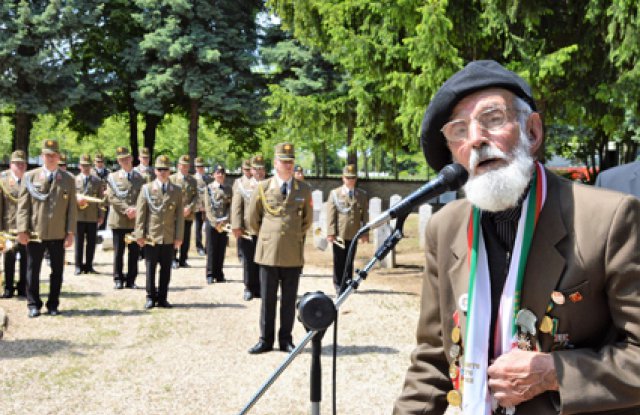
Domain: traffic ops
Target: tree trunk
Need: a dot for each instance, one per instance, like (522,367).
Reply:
(352,154)
(325,162)
(133,130)
(21,132)
(194,116)
(366,164)
(396,174)
(151,125)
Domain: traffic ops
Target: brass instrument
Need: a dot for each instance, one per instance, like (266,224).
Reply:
(320,239)
(220,227)
(130,239)
(8,240)
(89,199)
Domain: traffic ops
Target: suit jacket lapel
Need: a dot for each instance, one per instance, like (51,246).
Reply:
(460,267)
(545,263)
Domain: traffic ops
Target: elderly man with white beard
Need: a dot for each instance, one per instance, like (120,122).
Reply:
(530,301)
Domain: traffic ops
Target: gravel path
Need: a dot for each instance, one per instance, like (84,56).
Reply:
(106,355)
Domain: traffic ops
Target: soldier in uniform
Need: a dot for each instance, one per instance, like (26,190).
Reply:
(281,212)
(159,230)
(189,187)
(122,194)
(203,179)
(62,164)
(243,187)
(46,206)
(347,212)
(217,203)
(90,216)
(143,167)
(10,181)
(298,173)
(101,172)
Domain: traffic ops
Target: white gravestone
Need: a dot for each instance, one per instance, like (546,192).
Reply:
(318,206)
(379,234)
(425,213)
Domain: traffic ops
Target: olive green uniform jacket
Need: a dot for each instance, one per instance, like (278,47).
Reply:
(92,188)
(54,217)
(9,193)
(124,196)
(189,188)
(242,189)
(217,204)
(159,216)
(345,216)
(280,223)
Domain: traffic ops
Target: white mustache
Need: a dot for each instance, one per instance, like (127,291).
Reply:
(485,153)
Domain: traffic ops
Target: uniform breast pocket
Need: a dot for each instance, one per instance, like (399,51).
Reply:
(581,313)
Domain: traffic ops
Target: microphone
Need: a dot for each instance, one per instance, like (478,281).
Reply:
(451,177)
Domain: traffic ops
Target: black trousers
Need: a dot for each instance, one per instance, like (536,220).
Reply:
(199,221)
(250,270)
(186,241)
(154,255)
(10,269)
(85,231)
(216,248)
(339,263)
(119,246)
(35,253)
(288,279)
(106,215)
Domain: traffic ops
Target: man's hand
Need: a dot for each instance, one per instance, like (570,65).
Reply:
(68,240)
(365,238)
(130,212)
(100,221)
(141,242)
(23,238)
(186,211)
(331,238)
(520,375)
(237,232)
(177,243)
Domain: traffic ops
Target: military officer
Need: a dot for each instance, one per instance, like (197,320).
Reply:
(10,181)
(217,203)
(143,167)
(298,173)
(347,212)
(46,207)
(122,193)
(90,216)
(189,187)
(202,179)
(159,229)
(243,186)
(103,173)
(62,164)
(281,212)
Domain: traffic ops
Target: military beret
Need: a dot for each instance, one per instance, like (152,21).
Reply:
(475,76)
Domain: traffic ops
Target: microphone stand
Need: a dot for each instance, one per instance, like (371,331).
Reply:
(317,312)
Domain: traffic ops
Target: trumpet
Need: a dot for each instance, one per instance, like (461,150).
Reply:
(130,239)
(226,227)
(8,240)
(89,199)
(320,239)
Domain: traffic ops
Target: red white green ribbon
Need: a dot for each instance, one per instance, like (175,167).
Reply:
(476,397)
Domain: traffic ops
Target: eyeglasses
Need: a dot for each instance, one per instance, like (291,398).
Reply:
(491,119)
(161,169)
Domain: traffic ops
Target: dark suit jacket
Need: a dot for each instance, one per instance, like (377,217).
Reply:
(624,178)
(587,241)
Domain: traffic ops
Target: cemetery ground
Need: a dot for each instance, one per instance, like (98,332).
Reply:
(105,354)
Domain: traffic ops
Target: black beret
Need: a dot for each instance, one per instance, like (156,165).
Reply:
(475,76)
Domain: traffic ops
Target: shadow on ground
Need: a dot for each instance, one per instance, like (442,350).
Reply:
(27,348)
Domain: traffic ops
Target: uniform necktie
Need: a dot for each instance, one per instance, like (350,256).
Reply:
(129,176)
(283,189)
(221,187)
(164,188)
(350,194)
(86,180)
(50,178)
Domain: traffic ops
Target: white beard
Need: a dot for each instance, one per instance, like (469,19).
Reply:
(500,189)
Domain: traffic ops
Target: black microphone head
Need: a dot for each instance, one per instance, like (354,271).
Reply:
(454,175)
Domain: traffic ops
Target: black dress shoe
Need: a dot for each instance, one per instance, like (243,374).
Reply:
(287,347)
(184,265)
(174,265)
(261,347)
(149,304)
(119,285)
(22,293)
(201,252)
(164,304)
(34,312)
(78,271)
(53,312)
(248,295)
(223,279)
(90,271)
(209,280)
(132,286)
(7,294)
